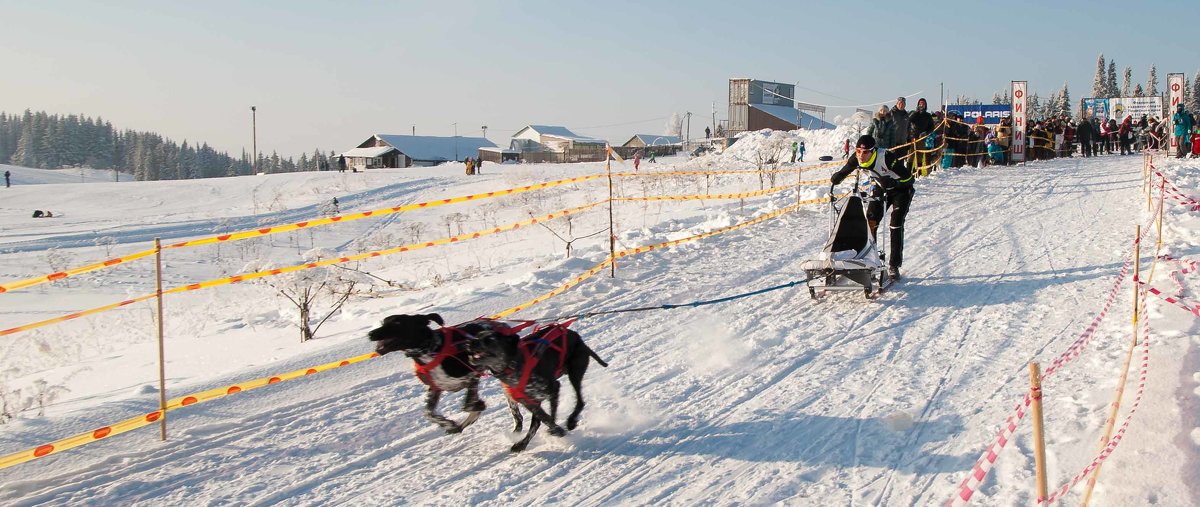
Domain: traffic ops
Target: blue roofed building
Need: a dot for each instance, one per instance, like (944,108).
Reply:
(548,143)
(387,150)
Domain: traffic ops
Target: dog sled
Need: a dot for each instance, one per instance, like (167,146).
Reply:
(850,259)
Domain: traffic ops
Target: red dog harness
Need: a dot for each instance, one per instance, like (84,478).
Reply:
(532,350)
(450,349)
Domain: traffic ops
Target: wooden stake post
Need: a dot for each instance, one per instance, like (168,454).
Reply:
(612,236)
(1116,404)
(1039,434)
(162,367)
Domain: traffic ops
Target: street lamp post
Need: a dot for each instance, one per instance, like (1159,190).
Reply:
(254,138)
(484,131)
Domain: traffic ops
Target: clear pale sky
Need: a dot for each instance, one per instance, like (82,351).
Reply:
(328,75)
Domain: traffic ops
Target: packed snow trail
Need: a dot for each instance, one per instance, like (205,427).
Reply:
(772,398)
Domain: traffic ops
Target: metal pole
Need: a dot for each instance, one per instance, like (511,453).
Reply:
(162,367)
(1039,432)
(254,133)
(455,141)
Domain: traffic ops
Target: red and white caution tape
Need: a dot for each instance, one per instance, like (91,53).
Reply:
(1116,439)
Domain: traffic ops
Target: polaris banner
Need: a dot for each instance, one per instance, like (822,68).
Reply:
(1119,108)
(1175,91)
(1093,109)
(991,113)
(1018,120)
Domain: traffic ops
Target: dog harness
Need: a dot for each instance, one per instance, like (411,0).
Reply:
(450,349)
(532,350)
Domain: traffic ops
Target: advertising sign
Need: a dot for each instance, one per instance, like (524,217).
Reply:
(991,113)
(1018,120)
(1175,93)
(1093,109)
(1119,108)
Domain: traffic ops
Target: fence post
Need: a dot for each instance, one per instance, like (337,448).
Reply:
(1039,434)
(162,367)
(612,236)
(1116,404)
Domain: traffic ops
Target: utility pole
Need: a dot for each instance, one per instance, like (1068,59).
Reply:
(455,141)
(688,136)
(414,130)
(254,138)
(484,131)
(714,125)
(942,98)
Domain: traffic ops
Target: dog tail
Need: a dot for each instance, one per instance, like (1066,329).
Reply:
(597,357)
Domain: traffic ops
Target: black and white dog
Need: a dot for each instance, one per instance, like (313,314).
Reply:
(529,369)
(440,358)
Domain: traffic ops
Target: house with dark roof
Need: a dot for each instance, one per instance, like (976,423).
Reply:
(386,150)
(548,143)
(644,140)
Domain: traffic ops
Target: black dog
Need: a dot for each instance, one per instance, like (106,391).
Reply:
(529,369)
(440,357)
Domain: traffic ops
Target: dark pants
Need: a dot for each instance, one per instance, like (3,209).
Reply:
(898,199)
(1085,143)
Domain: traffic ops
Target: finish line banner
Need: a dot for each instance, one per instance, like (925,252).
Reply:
(991,113)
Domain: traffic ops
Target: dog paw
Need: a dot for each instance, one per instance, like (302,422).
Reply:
(558,431)
(518,447)
(572,423)
(454,430)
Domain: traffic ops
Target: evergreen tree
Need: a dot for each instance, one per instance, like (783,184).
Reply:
(1125,83)
(1152,83)
(1033,106)
(1111,86)
(1099,86)
(1137,91)
(1194,105)
(1064,101)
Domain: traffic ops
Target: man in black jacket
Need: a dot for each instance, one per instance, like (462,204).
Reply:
(920,125)
(893,185)
(1084,133)
(902,131)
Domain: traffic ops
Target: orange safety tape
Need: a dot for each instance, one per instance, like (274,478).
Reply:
(634,251)
(720,196)
(30,282)
(290,227)
(379,212)
(310,265)
(176,403)
(75,315)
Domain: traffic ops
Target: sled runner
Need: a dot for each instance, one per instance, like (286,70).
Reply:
(850,259)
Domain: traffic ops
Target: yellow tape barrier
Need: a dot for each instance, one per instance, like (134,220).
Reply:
(152,417)
(756,193)
(310,265)
(292,227)
(21,284)
(211,394)
(638,250)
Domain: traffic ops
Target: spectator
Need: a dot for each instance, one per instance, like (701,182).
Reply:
(1084,133)
(1125,133)
(341,163)
(921,124)
(795,147)
(801,151)
(7,179)
(846,149)
(900,136)
(637,159)
(883,129)
(1183,126)
(707,133)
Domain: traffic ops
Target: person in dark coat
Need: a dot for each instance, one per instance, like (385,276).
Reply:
(901,135)
(341,163)
(893,187)
(7,181)
(921,125)
(1085,135)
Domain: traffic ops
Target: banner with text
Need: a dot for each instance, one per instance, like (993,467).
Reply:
(991,113)
(1119,108)
(1018,120)
(1093,109)
(1175,91)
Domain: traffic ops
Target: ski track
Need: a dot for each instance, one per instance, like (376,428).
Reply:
(718,431)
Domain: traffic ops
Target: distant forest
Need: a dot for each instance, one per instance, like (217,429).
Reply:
(48,141)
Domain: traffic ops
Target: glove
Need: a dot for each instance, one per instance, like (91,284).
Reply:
(888,183)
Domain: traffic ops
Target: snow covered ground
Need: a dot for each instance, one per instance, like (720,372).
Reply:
(771,398)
